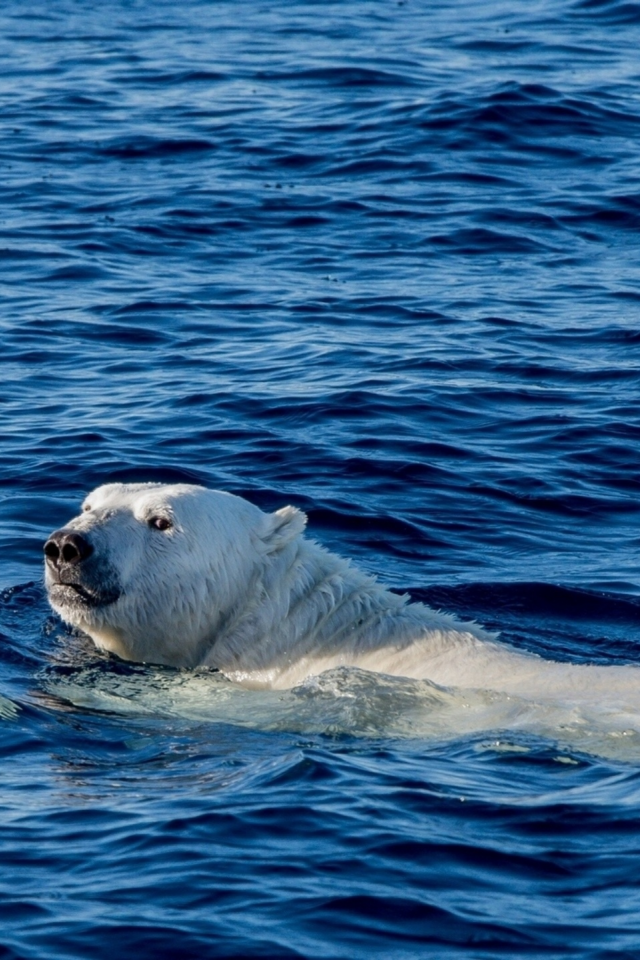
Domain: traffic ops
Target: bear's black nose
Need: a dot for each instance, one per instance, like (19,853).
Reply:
(67,548)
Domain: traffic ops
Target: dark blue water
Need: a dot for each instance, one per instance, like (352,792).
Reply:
(380,260)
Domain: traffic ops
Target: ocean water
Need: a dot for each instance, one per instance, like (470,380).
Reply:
(380,260)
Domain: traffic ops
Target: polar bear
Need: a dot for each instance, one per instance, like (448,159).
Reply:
(190,577)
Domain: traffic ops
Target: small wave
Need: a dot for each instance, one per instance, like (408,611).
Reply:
(148,147)
(614,12)
(472,241)
(530,114)
(344,76)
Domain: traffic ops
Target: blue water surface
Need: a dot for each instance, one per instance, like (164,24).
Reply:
(380,260)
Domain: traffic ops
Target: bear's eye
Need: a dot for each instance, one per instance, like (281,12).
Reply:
(159,523)
(86,508)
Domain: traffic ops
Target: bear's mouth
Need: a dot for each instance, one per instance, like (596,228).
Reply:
(78,594)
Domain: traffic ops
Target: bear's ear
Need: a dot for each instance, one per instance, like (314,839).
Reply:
(282,527)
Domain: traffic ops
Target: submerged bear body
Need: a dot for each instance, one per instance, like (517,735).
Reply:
(189,577)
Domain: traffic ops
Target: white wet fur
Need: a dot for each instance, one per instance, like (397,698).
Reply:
(232,587)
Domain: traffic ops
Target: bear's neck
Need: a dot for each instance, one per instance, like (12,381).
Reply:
(307,603)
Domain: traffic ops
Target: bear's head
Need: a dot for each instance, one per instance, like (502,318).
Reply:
(152,571)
